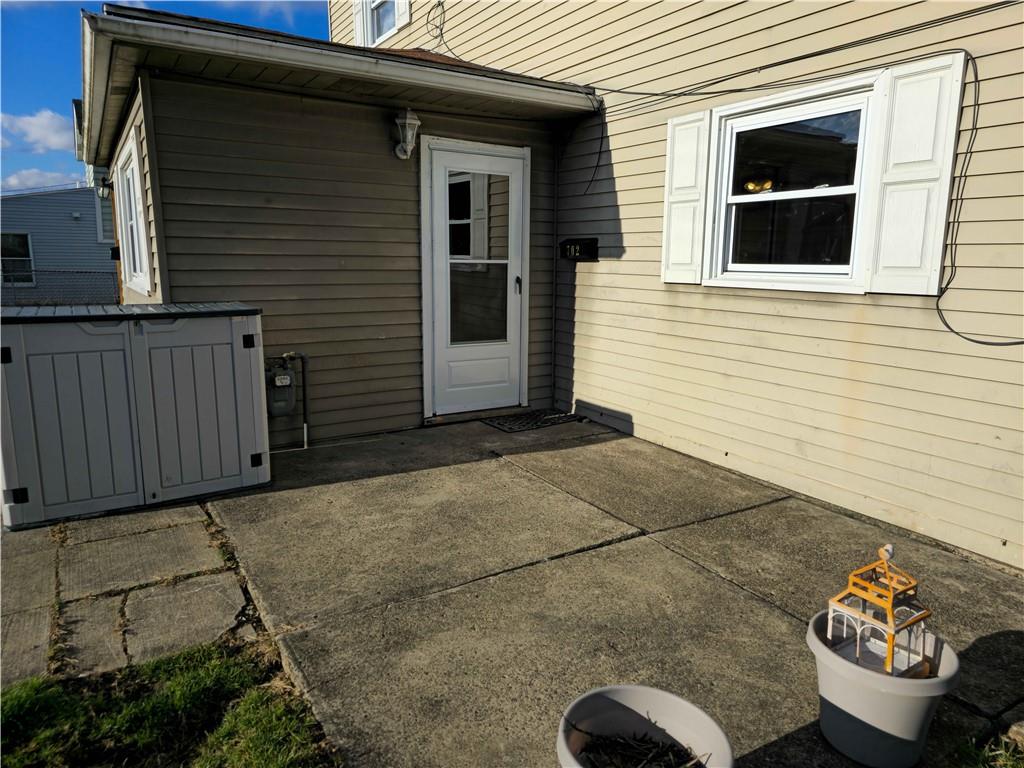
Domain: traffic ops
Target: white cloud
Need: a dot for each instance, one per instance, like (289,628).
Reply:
(45,131)
(31,178)
(267,9)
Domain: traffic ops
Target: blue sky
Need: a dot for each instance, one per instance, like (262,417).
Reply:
(41,72)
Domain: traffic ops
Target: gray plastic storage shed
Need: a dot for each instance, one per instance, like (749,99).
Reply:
(111,407)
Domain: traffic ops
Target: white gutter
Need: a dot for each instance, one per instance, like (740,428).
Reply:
(100,32)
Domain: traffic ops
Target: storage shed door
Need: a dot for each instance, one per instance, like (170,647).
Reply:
(69,416)
(198,407)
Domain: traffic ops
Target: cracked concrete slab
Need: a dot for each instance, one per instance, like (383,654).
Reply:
(95,567)
(170,617)
(480,675)
(27,580)
(94,635)
(111,526)
(346,546)
(644,484)
(24,637)
(977,608)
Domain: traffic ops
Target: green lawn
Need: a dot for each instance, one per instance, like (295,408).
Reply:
(212,706)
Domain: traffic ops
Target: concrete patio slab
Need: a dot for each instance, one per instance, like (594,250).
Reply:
(644,484)
(978,609)
(94,635)
(95,567)
(94,529)
(29,540)
(345,546)
(416,449)
(29,580)
(168,618)
(24,637)
(480,675)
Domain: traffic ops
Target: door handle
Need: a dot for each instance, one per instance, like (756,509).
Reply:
(519,285)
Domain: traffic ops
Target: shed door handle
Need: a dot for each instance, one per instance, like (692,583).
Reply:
(519,284)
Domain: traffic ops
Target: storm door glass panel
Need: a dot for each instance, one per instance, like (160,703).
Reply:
(478,217)
(792,194)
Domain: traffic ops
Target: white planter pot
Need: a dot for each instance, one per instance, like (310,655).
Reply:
(876,719)
(637,709)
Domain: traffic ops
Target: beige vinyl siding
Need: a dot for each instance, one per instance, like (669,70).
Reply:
(135,122)
(864,401)
(299,206)
(339,22)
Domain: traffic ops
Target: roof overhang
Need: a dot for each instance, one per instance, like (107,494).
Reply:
(106,35)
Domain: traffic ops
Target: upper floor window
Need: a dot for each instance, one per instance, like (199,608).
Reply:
(16,258)
(131,218)
(842,186)
(374,21)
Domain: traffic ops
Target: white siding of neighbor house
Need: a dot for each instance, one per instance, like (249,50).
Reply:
(71,263)
(300,207)
(863,401)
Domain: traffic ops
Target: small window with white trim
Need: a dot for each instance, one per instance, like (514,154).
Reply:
(842,186)
(374,21)
(131,219)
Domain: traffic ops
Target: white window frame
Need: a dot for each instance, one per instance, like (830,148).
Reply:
(31,262)
(99,224)
(840,95)
(371,6)
(128,169)
(362,21)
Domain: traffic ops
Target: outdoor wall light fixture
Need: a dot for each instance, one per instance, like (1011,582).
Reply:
(103,188)
(408,124)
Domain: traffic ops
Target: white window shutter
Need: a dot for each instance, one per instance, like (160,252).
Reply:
(401,13)
(359,21)
(686,175)
(920,104)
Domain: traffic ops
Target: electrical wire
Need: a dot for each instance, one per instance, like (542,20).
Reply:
(435,27)
(953,227)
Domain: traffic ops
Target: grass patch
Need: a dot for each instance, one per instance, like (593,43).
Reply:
(212,706)
(1000,752)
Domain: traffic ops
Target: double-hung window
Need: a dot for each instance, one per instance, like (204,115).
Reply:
(842,186)
(131,219)
(374,21)
(789,196)
(16,261)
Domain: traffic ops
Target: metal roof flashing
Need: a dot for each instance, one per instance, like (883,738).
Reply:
(158,29)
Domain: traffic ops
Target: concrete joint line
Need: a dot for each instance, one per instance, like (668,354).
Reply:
(751,508)
(763,598)
(132,533)
(166,581)
(558,488)
(122,624)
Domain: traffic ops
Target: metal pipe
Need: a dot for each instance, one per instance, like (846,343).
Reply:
(305,393)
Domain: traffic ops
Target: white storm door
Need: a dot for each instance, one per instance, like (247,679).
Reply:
(477,233)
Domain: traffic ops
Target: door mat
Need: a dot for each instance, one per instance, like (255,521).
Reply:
(520,422)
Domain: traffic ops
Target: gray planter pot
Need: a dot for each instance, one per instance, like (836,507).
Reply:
(629,709)
(876,719)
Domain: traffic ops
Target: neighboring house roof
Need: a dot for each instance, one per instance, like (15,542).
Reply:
(119,40)
(57,188)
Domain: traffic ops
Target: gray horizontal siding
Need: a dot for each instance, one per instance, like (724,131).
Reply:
(71,264)
(300,207)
